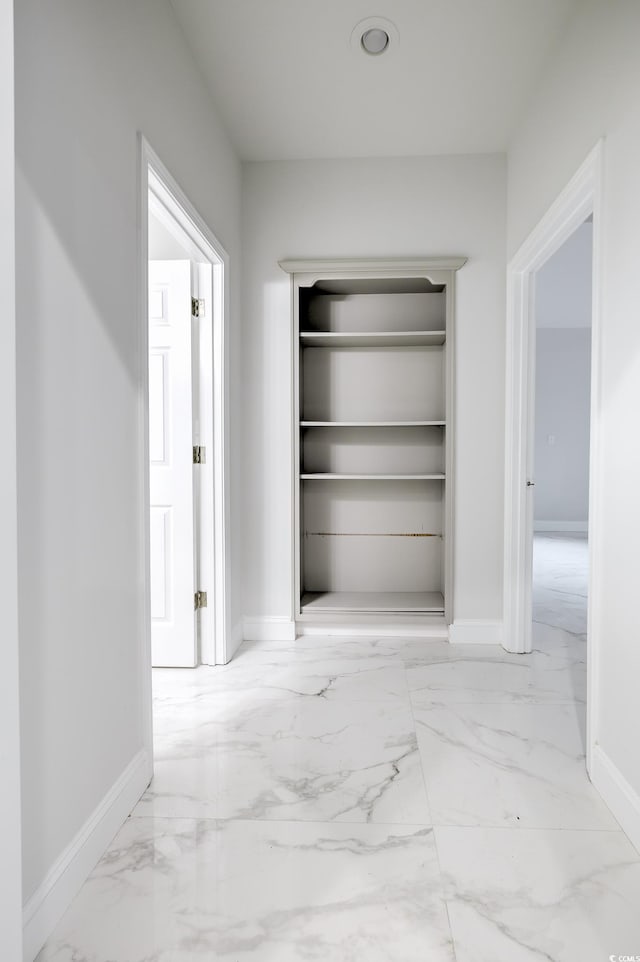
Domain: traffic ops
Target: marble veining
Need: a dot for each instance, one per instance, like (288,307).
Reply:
(560,581)
(378,799)
(508,764)
(291,758)
(554,672)
(174,889)
(524,896)
(320,674)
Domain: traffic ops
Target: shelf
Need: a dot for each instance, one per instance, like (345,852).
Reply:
(373,339)
(371,424)
(370,601)
(371,477)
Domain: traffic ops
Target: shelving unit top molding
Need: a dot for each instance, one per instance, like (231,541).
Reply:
(432,269)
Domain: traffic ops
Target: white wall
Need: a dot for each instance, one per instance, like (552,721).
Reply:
(89,75)
(10,857)
(563,284)
(563,381)
(591,88)
(375,208)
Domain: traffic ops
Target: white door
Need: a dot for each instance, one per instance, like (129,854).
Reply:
(173,623)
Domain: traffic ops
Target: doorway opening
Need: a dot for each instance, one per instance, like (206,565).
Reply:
(183,407)
(576,210)
(562,400)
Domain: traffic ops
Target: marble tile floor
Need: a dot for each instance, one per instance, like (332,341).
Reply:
(372,800)
(560,572)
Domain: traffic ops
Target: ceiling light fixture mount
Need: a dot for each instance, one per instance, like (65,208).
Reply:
(374,41)
(374,36)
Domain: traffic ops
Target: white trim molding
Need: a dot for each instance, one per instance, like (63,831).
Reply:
(580,527)
(62,882)
(375,267)
(268,628)
(616,791)
(579,199)
(10,808)
(469,632)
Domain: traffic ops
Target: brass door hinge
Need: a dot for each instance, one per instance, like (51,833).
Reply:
(197,307)
(200,600)
(199,454)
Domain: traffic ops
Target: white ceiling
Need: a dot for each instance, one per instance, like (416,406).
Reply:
(289,84)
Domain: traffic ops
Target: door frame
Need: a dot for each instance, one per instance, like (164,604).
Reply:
(11,916)
(178,213)
(580,198)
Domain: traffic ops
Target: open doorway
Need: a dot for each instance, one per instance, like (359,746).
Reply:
(183,317)
(577,204)
(563,309)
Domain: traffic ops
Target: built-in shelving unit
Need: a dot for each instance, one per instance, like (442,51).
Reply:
(373,428)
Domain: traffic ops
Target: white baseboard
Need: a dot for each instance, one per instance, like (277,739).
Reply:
(569,526)
(269,628)
(616,791)
(467,632)
(49,902)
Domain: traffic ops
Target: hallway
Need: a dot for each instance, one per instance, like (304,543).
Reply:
(372,800)
(560,572)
